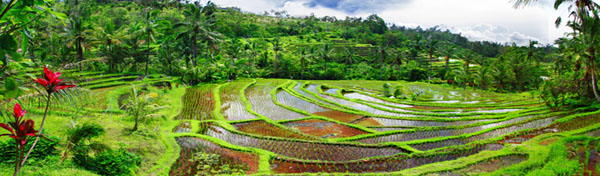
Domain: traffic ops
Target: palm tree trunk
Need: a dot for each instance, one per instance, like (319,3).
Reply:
(447,62)
(275,65)
(302,67)
(80,53)
(135,126)
(194,47)
(594,87)
(147,53)
(431,62)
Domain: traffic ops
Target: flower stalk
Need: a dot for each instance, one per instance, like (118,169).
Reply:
(21,129)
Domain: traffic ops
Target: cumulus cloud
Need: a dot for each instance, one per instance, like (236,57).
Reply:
(353,6)
(493,20)
(488,32)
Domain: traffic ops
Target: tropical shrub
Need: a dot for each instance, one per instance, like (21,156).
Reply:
(109,162)
(142,107)
(43,149)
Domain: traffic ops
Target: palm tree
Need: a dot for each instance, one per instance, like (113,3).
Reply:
(198,26)
(482,75)
(448,52)
(585,25)
(276,48)
(467,57)
(141,107)
(76,33)
(431,48)
(382,51)
(107,37)
(251,49)
(166,49)
(400,54)
(325,54)
(349,53)
(533,53)
(303,56)
(150,31)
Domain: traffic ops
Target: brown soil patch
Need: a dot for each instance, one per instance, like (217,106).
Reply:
(369,122)
(548,141)
(324,129)
(339,116)
(265,129)
(187,166)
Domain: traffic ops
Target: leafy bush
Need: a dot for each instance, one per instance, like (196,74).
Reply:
(398,92)
(110,162)
(43,149)
(387,90)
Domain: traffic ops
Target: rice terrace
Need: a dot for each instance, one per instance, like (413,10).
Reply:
(299,87)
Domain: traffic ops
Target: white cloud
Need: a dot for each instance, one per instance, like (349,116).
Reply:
(494,20)
(487,32)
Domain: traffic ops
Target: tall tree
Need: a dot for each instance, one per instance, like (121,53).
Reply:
(584,23)
(198,24)
(150,31)
(76,34)
(276,48)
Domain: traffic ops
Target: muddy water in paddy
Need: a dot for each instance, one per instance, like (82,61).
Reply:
(487,135)
(383,129)
(189,146)
(184,127)
(232,106)
(339,116)
(365,108)
(312,88)
(407,136)
(263,128)
(385,164)
(366,98)
(332,114)
(262,103)
(374,121)
(573,124)
(305,150)
(290,100)
(373,99)
(324,129)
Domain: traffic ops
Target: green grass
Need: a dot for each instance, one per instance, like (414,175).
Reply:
(155,141)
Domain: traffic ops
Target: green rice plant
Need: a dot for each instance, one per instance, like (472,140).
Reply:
(232,106)
(198,103)
(261,101)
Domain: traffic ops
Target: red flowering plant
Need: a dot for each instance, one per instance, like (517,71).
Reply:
(21,129)
(51,82)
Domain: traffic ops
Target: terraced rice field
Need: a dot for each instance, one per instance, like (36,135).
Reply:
(269,126)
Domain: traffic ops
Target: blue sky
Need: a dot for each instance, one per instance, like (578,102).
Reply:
(491,20)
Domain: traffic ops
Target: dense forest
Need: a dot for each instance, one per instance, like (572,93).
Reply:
(206,43)
(101,46)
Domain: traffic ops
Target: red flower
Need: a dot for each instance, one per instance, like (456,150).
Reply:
(20,129)
(18,112)
(51,81)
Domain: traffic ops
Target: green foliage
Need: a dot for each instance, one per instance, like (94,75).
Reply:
(208,164)
(110,162)
(398,92)
(387,90)
(142,106)
(43,149)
